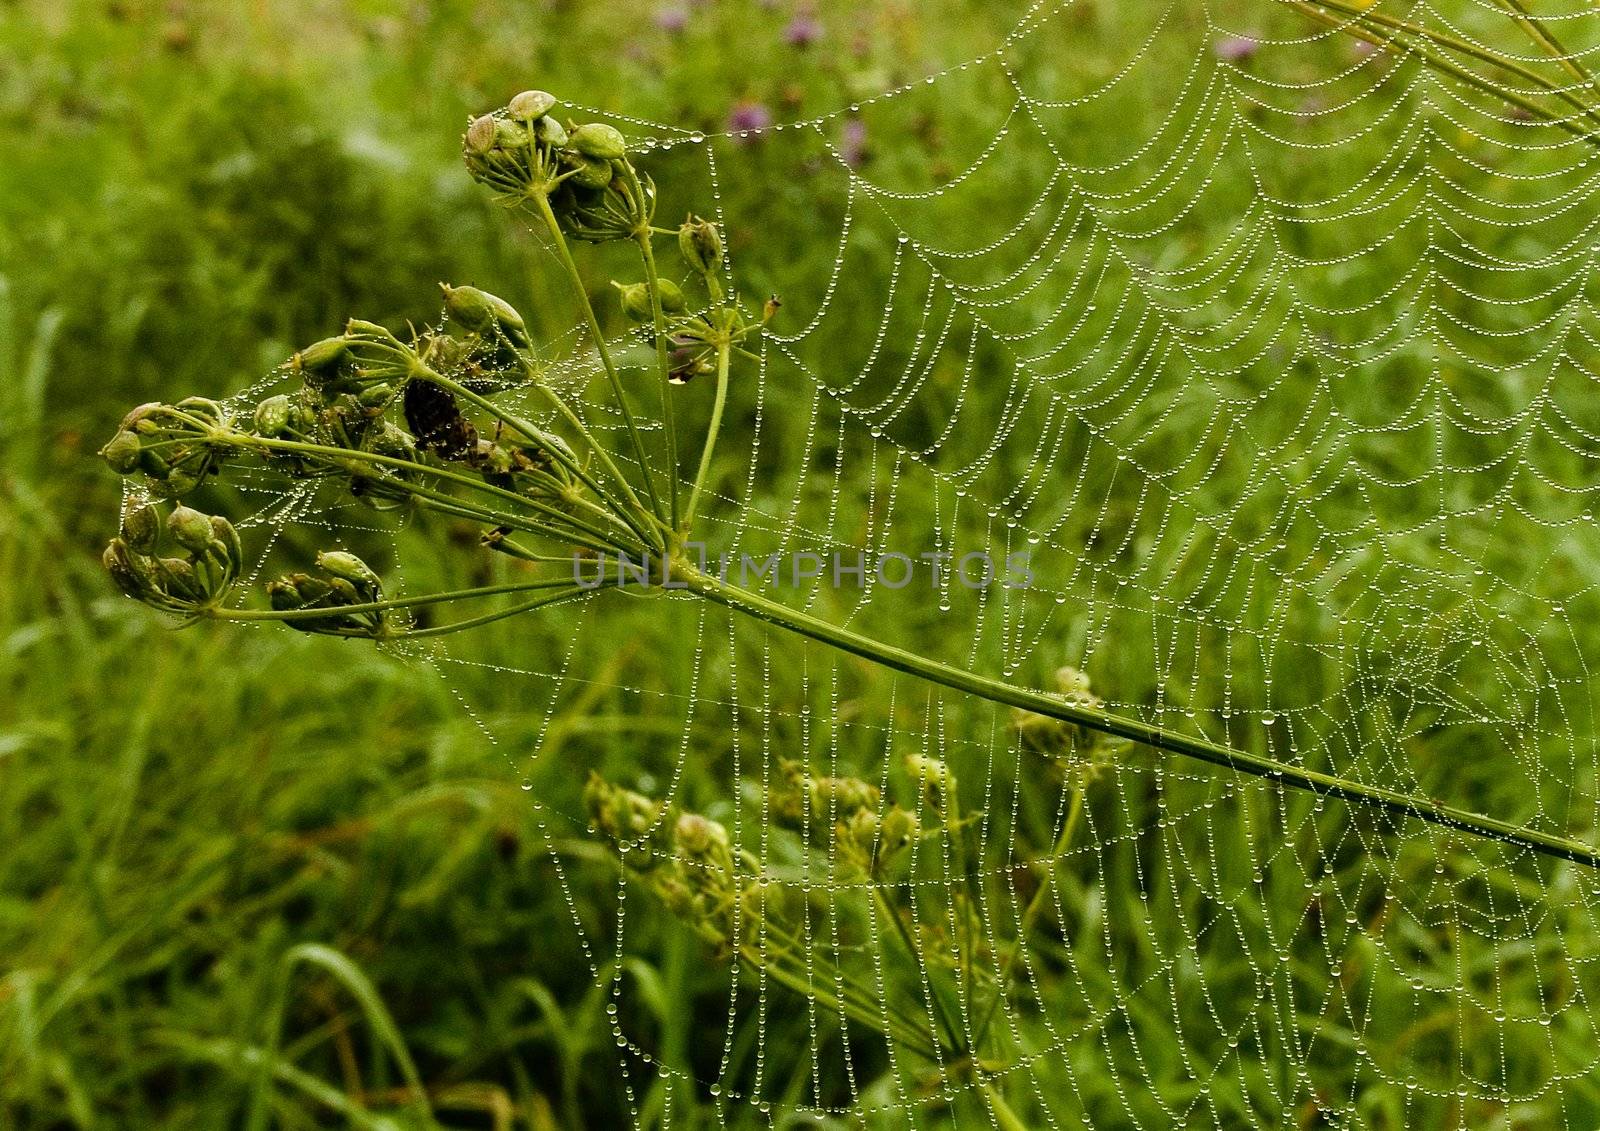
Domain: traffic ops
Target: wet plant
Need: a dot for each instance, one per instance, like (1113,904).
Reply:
(419,418)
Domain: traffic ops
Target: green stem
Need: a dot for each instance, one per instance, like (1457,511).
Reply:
(487,618)
(219,613)
(564,253)
(624,513)
(1004,1118)
(1328,785)
(1030,915)
(668,415)
(715,428)
(1545,38)
(904,935)
(1351,25)
(1472,50)
(336,455)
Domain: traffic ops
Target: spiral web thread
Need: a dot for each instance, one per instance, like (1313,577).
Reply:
(1288,390)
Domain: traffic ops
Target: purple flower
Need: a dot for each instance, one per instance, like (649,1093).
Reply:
(853,143)
(803,30)
(1235,49)
(672,18)
(748,116)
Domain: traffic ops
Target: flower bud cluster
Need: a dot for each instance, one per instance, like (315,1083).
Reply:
(183,564)
(1071,743)
(689,861)
(846,813)
(523,152)
(342,580)
(174,446)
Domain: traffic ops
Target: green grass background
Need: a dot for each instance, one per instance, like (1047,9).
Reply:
(202,831)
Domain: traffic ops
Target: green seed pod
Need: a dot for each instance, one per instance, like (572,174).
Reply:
(375,396)
(479,311)
(592,173)
(320,357)
(310,590)
(180,579)
(283,596)
(177,482)
(225,540)
(635,301)
(142,529)
(672,300)
(272,416)
(189,529)
(598,140)
(510,135)
(551,132)
(122,452)
(119,563)
(700,244)
(531,105)
(480,135)
(348,567)
(342,592)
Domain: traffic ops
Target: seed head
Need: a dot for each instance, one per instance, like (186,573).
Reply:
(189,529)
(599,141)
(272,416)
(122,452)
(700,244)
(142,529)
(531,105)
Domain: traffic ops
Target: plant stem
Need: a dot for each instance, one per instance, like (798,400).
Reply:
(564,253)
(532,431)
(334,455)
(390,603)
(712,431)
(1328,785)
(668,415)
(1030,915)
(1352,26)
(1004,1118)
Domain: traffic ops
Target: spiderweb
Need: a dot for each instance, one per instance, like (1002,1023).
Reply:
(1286,387)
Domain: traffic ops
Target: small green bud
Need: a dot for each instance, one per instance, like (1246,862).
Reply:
(226,538)
(272,416)
(125,575)
(283,596)
(600,141)
(479,311)
(531,105)
(672,300)
(310,590)
(510,135)
(142,529)
(189,529)
(700,244)
(480,134)
(592,173)
(122,452)
(319,357)
(551,132)
(181,580)
(347,567)
(635,301)
(375,396)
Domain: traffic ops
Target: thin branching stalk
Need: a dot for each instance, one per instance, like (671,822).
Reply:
(703,472)
(983,687)
(564,254)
